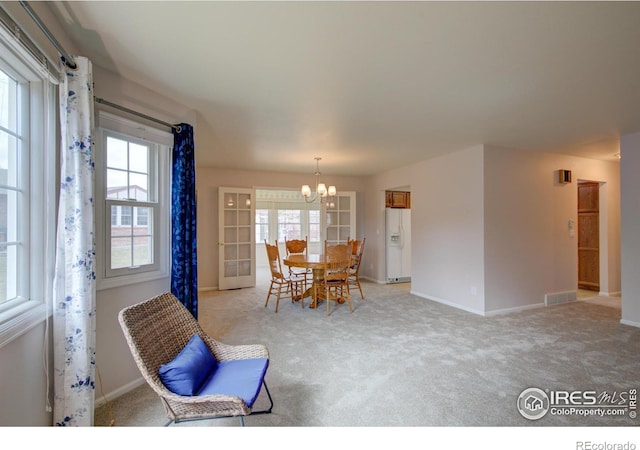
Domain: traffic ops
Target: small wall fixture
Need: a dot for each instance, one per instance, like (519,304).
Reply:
(564,176)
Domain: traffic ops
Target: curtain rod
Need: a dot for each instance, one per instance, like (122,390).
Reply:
(14,29)
(68,60)
(102,101)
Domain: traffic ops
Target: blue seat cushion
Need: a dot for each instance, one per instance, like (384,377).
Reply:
(242,378)
(186,373)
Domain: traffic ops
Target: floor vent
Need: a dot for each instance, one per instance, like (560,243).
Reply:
(560,297)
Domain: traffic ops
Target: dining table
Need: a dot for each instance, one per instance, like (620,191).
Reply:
(316,262)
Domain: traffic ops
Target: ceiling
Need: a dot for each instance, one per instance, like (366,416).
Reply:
(370,86)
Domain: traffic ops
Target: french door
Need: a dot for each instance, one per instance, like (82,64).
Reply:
(236,238)
(339,218)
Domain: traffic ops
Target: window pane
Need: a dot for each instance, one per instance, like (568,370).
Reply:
(117,186)
(138,158)
(8,216)
(142,250)
(138,186)
(8,102)
(8,274)
(142,220)
(8,159)
(125,215)
(114,215)
(262,225)
(117,153)
(289,224)
(121,252)
(314,225)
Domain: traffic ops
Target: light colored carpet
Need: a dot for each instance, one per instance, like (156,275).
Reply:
(400,360)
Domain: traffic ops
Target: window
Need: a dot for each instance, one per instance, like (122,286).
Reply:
(142,217)
(27,187)
(289,224)
(283,213)
(314,225)
(11,192)
(262,225)
(133,178)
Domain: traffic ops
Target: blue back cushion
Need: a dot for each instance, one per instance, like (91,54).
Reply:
(194,364)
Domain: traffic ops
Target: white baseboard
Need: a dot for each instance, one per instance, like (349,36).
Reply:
(373,280)
(208,288)
(630,323)
(447,303)
(101,400)
(497,312)
(610,294)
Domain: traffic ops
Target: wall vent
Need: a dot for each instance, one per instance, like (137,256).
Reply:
(557,298)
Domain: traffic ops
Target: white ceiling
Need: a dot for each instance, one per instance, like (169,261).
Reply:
(369,86)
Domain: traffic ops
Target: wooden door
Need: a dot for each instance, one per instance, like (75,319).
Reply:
(588,236)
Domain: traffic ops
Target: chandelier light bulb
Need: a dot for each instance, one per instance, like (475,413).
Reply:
(321,191)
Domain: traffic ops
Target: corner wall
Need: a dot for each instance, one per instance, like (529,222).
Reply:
(447,227)
(630,193)
(528,249)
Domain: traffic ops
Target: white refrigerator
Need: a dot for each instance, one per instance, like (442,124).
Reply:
(398,245)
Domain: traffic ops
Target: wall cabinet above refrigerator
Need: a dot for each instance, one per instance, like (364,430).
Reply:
(398,199)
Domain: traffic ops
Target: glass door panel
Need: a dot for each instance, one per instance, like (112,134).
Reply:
(236,249)
(340,218)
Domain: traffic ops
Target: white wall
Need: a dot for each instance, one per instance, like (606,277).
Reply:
(23,383)
(447,228)
(630,204)
(447,224)
(528,250)
(494,221)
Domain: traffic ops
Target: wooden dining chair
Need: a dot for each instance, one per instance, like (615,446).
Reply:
(298,247)
(282,286)
(335,283)
(357,249)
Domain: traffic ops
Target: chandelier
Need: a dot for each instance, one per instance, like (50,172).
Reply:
(321,189)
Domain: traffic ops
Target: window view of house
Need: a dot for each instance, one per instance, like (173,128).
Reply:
(131,199)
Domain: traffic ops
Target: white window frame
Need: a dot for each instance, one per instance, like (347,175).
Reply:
(112,125)
(37,217)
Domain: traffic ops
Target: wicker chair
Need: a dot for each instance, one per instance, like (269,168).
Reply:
(354,271)
(335,284)
(157,330)
(282,286)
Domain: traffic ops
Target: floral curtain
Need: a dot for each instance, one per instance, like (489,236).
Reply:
(184,264)
(74,281)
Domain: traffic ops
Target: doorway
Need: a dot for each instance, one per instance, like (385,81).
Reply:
(589,235)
